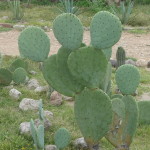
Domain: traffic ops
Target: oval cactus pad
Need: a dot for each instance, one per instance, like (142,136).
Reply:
(88,66)
(68,30)
(127,79)
(105,30)
(93,112)
(34,44)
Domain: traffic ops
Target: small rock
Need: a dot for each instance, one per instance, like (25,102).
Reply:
(25,128)
(41,89)
(29,104)
(56,98)
(141,63)
(48,114)
(19,27)
(32,84)
(113,63)
(15,94)
(47,123)
(32,72)
(148,64)
(67,98)
(80,143)
(131,62)
(145,97)
(50,147)
(5,17)
(9,87)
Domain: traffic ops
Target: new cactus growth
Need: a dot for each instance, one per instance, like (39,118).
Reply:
(34,44)
(19,75)
(5,77)
(37,135)
(120,56)
(18,63)
(62,138)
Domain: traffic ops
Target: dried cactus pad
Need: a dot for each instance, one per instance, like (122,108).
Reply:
(105,30)
(18,63)
(88,66)
(127,79)
(19,75)
(5,77)
(93,112)
(52,76)
(34,44)
(68,30)
(62,138)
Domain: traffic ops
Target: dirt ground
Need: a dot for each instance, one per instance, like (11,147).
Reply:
(136,45)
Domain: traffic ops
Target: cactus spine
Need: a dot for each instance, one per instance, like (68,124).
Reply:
(120,56)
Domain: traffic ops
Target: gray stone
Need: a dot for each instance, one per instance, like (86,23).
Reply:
(40,89)
(33,72)
(15,94)
(56,98)
(47,123)
(50,147)
(141,63)
(32,84)
(67,98)
(48,114)
(148,64)
(131,62)
(113,63)
(19,27)
(5,17)
(25,128)
(145,97)
(80,143)
(29,104)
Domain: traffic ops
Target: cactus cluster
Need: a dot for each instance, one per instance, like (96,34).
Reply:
(84,73)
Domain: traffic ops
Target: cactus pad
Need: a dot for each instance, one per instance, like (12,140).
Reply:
(19,75)
(68,30)
(105,30)
(34,44)
(127,79)
(5,77)
(18,63)
(88,66)
(108,53)
(62,138)
(144,112)
(93,112)
(52,76)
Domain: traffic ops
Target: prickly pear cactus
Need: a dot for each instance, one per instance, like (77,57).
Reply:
(62,138)
(5,77)
(18,63)
(105,30)
(68,30)
(88,66)
(19,75)
(93,113)
(1,58)
(107,52)
(34,44)
(120,56)
(127,79)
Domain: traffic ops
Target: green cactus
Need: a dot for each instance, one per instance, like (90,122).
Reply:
(41,112)
(117,96)
(68,30)
(19,75)
(123,135)
(37,135)
(93,113)
(34,44)
(127,79)
(88,66)
(5,77)
(144,112)
(18,63)
(120,56)
(105,30)
(1,59)
(62,138)
(107,52)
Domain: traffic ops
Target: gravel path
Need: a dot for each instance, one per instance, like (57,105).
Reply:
(136,45)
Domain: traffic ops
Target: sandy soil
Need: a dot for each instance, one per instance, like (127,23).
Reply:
(137,46)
